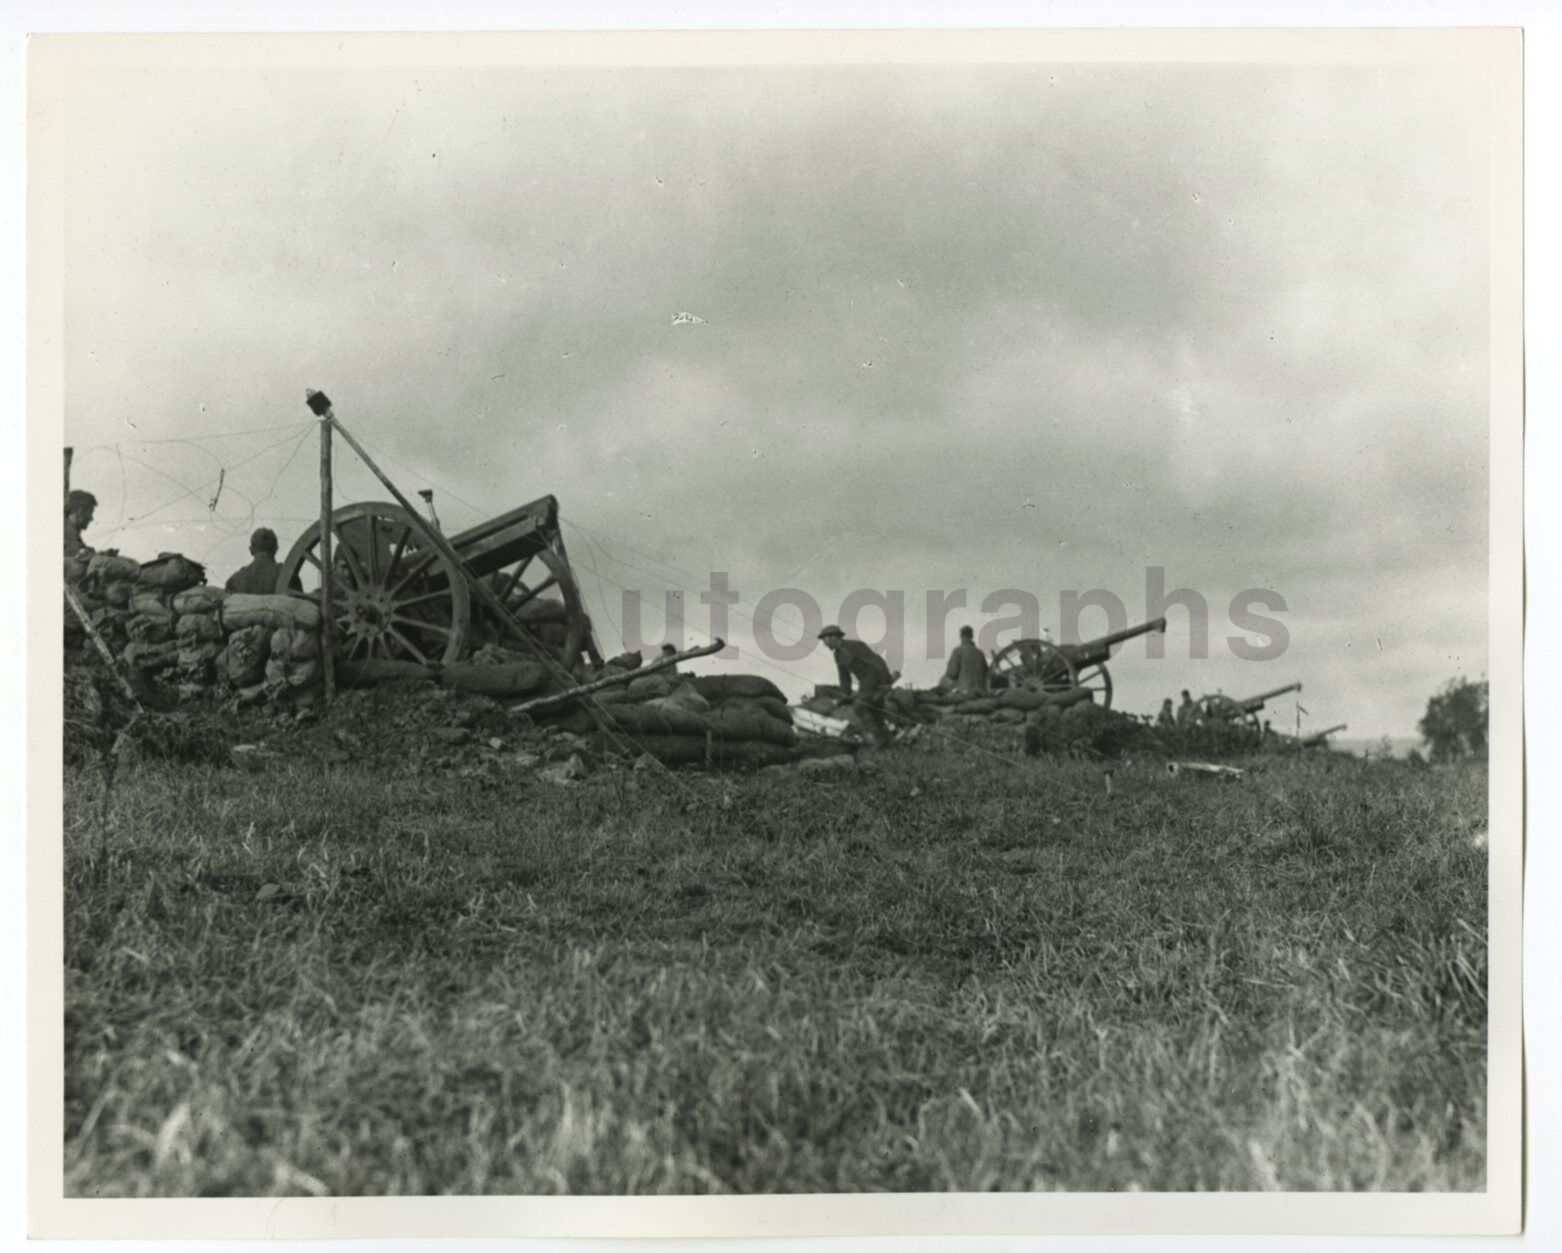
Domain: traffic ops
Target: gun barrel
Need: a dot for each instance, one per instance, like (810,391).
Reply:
(1093,652)
(1254,703)
(1318,737)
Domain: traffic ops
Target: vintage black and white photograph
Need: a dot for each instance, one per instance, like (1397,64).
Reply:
(640,623)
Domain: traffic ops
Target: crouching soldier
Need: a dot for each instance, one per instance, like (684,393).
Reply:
(855,660)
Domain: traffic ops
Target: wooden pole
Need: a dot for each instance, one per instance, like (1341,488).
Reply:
(69,453)
(320,404)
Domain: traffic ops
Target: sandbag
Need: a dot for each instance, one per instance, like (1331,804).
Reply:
(172,572)
(1022,698)
(685,696)
(150,656)
(118,593)
(516,678)
(281,672)
(739,724)
(649,687)
(201,599)
(982,705)
(242,609)
(378,670)
(821,704)
(108,568)
(1008,716)
(626,661)
(715,686)
(248,651)
(293,644)
(764,705)
(152,603)
(197,628)
(150,628)
(657,718)
(197,661)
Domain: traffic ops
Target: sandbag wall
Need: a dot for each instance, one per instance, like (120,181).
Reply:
(173,629)
(1010,720)
(724,719)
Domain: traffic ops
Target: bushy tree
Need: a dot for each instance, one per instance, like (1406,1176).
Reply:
(1454,725)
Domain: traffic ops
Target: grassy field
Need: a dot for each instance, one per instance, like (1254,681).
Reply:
(943,974)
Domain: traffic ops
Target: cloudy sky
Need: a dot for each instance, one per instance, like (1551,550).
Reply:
(1040,327)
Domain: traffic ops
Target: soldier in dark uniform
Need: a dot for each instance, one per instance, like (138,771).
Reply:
(966,674)
(259,578)
(79,508)
(855,660)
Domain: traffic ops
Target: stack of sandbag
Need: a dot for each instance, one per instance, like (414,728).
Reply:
(106,584)
(725,720)
(294,660)
(198,633)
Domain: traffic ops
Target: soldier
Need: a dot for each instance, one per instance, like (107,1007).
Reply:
(79,508)
(1187,712)
(1166,720)
(669,651)
(853,658)
(966,674)
(259,578)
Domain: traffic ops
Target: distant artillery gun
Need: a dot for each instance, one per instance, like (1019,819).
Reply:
(1042,666)
(1320,739)
(1223,711)
(397,597)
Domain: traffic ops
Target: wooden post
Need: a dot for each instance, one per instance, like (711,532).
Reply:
(69,453)
(320,405)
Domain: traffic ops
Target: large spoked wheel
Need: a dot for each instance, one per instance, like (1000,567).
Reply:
(394,597)
(540,593)
(1041,666)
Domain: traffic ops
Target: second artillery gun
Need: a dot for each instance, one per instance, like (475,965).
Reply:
(1223,710)
(1042,666)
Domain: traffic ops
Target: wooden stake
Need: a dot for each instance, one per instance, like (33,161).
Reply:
(612,680)
(80,611)
(327,590)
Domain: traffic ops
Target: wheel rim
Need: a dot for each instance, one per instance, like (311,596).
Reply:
(1036,665)
(540,593)
(393,597)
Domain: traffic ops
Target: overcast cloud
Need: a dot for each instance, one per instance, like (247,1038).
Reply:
(977,327)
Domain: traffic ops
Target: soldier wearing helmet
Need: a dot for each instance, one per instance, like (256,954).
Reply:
(260,577)
(79,508)
(854,659)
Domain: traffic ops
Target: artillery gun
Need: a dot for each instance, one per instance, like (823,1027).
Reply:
(1042,666)
(397,597)
(1223,710)
(1320,739)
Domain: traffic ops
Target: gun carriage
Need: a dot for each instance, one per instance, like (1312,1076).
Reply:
(397,597)
(1043,666)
